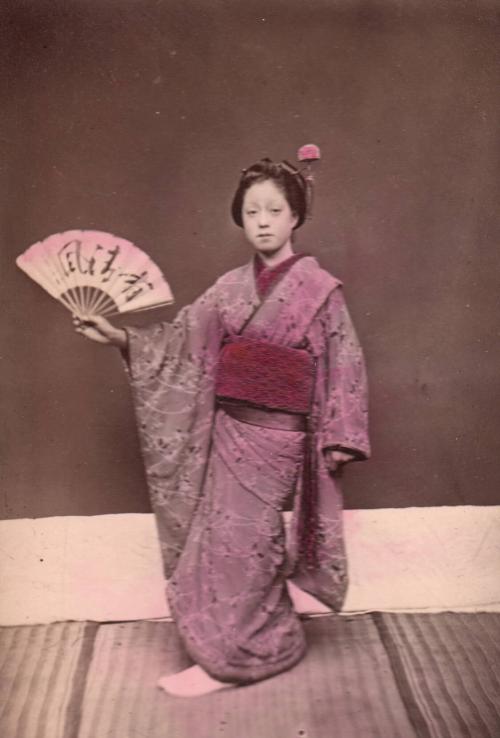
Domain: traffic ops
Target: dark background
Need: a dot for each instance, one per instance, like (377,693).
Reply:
(136,118)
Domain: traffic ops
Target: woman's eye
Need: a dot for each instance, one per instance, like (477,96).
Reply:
(251,212)
(276,210)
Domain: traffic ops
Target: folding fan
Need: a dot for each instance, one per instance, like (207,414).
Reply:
(95,273)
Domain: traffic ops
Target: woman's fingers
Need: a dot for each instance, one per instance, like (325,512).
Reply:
(91,326)
(116,336)
(335,459)
(99,329)
(93,334)
(330,461)
(341,457)
(102,324)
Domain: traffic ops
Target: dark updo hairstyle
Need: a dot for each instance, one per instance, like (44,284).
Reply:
(289,180)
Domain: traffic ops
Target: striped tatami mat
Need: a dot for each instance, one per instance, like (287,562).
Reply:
(375,675)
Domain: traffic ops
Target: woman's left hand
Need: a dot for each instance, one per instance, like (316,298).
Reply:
(335,459)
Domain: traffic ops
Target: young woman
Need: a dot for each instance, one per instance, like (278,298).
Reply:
(248,402)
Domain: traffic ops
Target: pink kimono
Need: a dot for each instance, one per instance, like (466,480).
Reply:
(218,485)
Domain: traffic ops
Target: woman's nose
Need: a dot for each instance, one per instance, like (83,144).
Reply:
(263,220)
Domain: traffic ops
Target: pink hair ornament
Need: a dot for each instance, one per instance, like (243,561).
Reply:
(309,153)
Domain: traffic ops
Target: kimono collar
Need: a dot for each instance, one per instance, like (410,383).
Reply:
(266,277)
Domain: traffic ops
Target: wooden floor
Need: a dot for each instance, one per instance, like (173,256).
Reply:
(377,675)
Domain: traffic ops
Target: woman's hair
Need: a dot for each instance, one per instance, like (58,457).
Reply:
(289,180)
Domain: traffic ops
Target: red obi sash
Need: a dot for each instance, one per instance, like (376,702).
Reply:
(266,375)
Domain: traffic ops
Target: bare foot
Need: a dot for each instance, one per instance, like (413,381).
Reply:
(304,603)
(191,682)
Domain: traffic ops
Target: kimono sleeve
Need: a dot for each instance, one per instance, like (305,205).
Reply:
(172,368)
(193,337)
(344,422)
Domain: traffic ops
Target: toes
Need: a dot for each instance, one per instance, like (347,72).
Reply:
(191,682)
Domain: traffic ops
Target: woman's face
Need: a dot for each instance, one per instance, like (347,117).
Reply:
(268,220)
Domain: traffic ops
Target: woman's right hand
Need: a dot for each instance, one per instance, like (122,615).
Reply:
(101,330)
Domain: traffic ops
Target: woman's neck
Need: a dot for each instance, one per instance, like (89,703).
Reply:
(276,257)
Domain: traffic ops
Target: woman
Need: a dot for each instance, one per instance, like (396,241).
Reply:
(246,403)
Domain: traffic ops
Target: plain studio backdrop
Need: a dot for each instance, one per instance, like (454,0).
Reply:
(136,117)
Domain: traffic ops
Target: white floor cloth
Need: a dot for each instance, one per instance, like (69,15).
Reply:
(107,567)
